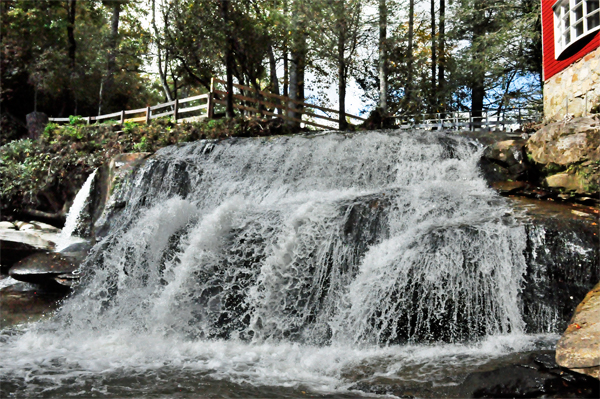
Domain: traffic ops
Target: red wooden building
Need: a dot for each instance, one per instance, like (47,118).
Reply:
(571,51)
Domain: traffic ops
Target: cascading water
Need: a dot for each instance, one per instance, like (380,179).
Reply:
(291,262)
(74,215)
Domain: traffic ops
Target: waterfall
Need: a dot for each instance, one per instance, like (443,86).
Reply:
(302,261)
(371,238)
(74,214)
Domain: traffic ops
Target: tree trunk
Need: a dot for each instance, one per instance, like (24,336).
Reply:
(298,59)
(286,71)
(383,78)
(409,86)
(273,75)
(433,99)
(112,54)
(442,56)
(228,59)
(161,72)
(478,80)
(343,125)
(71,10)
(71,31)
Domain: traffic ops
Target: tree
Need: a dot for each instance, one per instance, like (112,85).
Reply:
(338,42)
(383,59)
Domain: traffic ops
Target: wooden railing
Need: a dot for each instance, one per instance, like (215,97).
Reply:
(509,119)
(249,100)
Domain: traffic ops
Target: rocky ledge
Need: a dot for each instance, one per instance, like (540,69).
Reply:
(560,161)
(579,347)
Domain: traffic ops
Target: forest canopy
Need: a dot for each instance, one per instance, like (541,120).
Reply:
(76,57)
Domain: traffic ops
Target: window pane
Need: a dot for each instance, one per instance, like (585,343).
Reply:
(593,21)
(578,13)
(592,5)
(567,20)
(567,37)
(579,29)
(577,2)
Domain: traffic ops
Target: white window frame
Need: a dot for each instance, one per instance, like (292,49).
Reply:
(572,22)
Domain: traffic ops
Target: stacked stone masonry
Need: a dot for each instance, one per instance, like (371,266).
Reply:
(574,91)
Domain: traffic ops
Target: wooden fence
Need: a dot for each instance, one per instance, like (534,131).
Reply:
(251,101)
(246,99)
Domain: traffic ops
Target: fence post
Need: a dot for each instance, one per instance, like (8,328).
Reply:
(88,120)
(211,105)
(122,117)
(147,115)
(176,109)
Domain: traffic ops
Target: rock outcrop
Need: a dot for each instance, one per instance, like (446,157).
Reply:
(579,347)
(568,154)
(108,180)
(19,240)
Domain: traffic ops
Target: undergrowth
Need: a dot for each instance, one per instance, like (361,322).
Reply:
(45,173)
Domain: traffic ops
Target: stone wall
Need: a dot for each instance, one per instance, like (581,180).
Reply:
(575,91)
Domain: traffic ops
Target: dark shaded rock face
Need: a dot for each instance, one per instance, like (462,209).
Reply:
(563,261)
(540,376)
(108,178)
(506,160)
(525,376)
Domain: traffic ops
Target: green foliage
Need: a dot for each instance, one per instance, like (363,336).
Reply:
(76,120)
(552,169)
(41,174)
(37,68)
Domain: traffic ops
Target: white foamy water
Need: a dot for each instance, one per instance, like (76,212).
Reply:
(304,263)
(74,215)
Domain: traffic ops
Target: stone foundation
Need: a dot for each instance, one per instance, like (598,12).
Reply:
(574,91)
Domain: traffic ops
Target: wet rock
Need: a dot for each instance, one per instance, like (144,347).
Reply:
(579,346)
(67,280)
(563,260)
(509,187)
(22,302)
(77,251)
(505,161)
(108,179)
(567,181)
(540,376)
(508,152)
(42,268)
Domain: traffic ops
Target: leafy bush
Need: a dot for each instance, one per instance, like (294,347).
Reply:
(45,173)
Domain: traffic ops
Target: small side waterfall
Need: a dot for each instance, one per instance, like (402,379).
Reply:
(74,215)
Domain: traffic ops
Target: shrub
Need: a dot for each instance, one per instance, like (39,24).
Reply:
(45,173)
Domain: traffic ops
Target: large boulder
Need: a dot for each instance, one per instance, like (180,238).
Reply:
(568,154)
(566,142)
(43,268)
(18,244)
(579,347)
(505,161)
